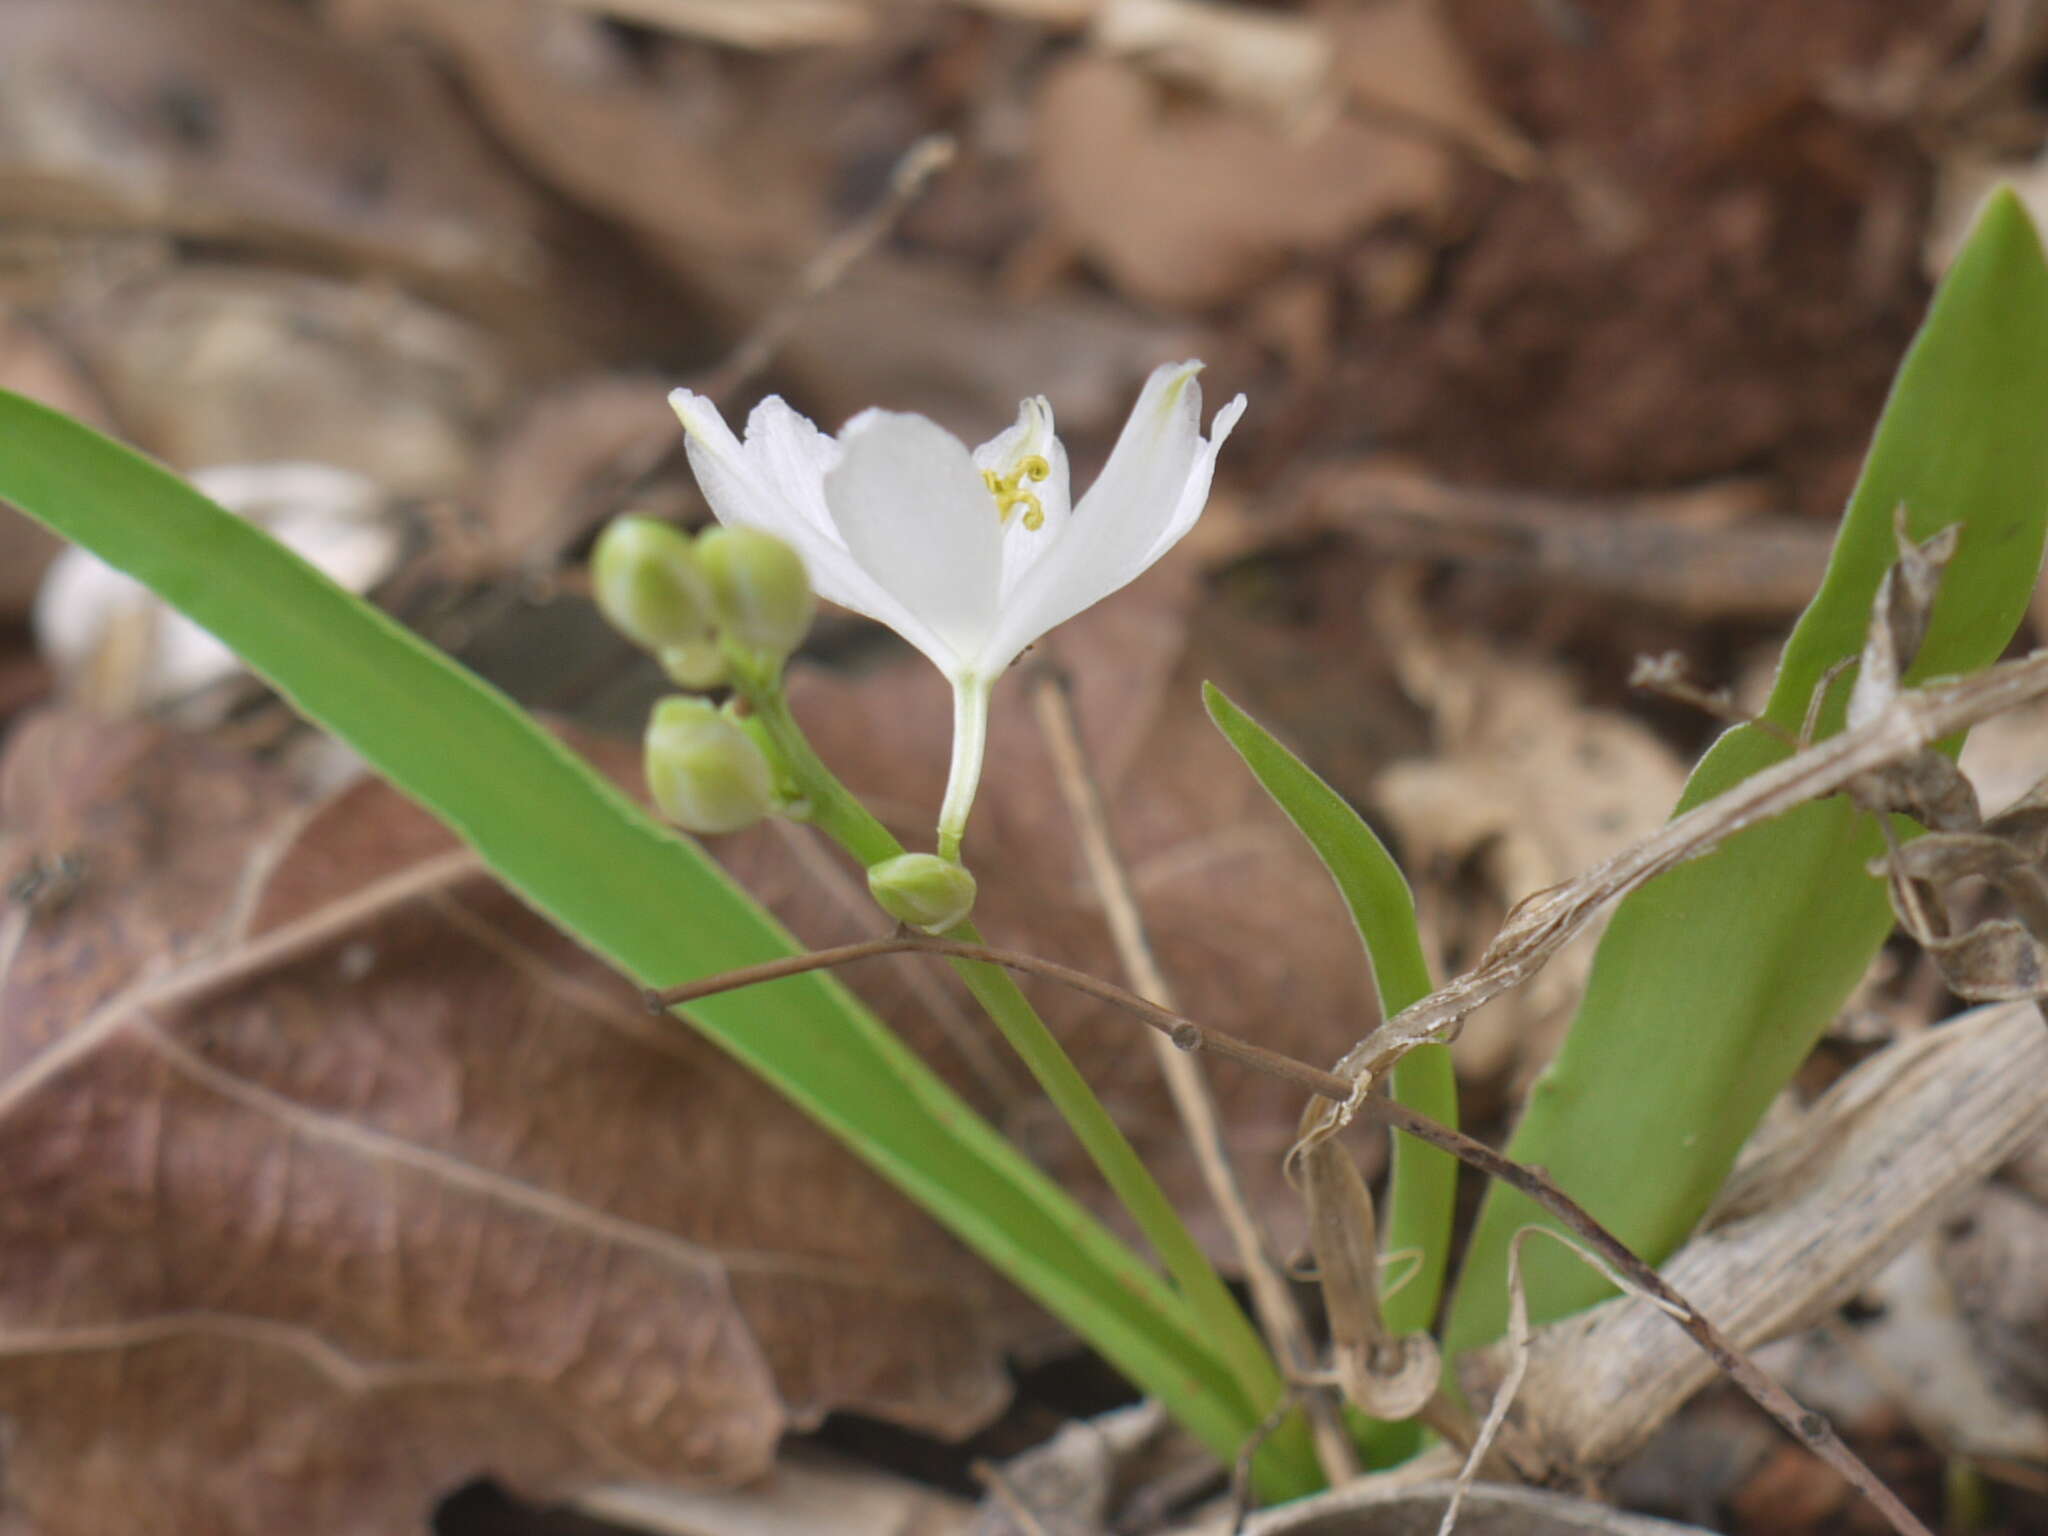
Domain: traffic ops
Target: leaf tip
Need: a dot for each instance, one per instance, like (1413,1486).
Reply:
(2005,220)
(1217,703)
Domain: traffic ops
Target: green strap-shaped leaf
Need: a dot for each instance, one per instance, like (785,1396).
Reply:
(1422,1191)
(1712,983)
(649,902)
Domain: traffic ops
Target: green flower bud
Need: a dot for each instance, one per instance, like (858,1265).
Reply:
(695,664)
(705,772)
(645,577)
(929,893)
(761,589)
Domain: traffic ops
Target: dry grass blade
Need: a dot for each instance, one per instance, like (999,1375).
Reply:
(913,172)
(1348,1098)
(1272,1300)
(1517,1346)
(1801,1225)
(1909,724)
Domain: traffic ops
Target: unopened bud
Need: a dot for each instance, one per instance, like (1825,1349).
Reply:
(706,773)
(695,664)
(647,583)
(929,893)
(760,586)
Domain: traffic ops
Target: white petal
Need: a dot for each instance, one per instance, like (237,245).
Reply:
(792,457)
(767,484)
(913,510)
(1194,495)
(730,481)
(1149,494)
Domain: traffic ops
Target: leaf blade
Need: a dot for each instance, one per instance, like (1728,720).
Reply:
(587,857)
(1422,1188)
(1744,956)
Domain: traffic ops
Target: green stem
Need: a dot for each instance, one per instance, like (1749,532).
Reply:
(1285,1466)
(970,738)
(1422,1183)
(1422,1197)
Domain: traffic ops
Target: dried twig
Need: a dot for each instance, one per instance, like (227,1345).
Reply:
(825,271)
(1893,730)
(1543,923)
(1182,1030)
(1811,1429)
(1716,551)
(1664,675)
(1272,1299)
(1810,1213)
(1005,1493)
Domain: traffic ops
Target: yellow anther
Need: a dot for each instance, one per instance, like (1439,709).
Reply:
(1010,495)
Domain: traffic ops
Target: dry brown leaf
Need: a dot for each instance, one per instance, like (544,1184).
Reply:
(430,1197)
(229,121)
(1990,1254)
(721,199)
(1186,205)
(1803,1222)
(1533,785)
(1546,921)
(809,1491)
(1958,1370)
(1399,58)
(918,334)
(1068,1486)
(228,365)
(1706,552)
(1246,925)
(1383,1507)
(732,184)
(569,460)
(2007,755)
(1275,61)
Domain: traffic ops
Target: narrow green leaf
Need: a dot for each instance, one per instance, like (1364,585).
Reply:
(1712,983)
(1423,1189)
(1285,1464)
(593,862)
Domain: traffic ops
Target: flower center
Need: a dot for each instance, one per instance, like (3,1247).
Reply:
(1010,494)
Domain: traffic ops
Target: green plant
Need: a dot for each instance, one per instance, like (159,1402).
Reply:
(1709,986)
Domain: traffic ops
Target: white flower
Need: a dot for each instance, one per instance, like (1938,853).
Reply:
(969,555)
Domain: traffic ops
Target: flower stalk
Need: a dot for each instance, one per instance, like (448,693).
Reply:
(1286,1466)
(970,740)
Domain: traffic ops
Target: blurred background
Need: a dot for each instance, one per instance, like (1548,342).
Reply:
(1563,323)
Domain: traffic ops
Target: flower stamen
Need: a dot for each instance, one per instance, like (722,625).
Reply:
(1010,494)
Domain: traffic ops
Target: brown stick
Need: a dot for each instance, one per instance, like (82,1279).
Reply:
(1541,924)
(825,271)
(1180,1029)
(1809,1428)
(1272,1299)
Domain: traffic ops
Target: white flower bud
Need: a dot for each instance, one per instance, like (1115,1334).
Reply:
(929,893)
(761,589)
(644,575)
(705,772)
